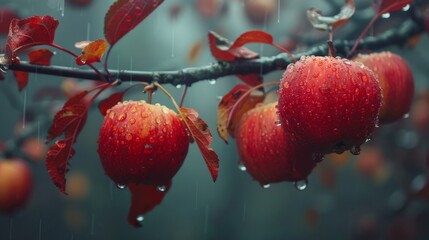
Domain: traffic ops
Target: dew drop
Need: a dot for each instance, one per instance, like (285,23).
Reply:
(285,85)
(138,11)
(407,115)
(61,144)
(121,186)
(301,185)
(325,90)
(132,121)
(406,8)
(355,150)
(178,86)
(385,15)
(161,188)
(347,62)
(212,82)
(140,218)
(129,137)
(278,123)
(266,186)
(148,149)
(241,167)
(364,78)
(122,117)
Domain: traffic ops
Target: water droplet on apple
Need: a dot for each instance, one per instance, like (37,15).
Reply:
(121,186)
(325,90)
(278,123)
(266,186)
(122,117)
(161,188)
(241,167)
(355,150)
(301,185)
(339,148)
(148,149)
(129,137)
(347,62)
(140,218)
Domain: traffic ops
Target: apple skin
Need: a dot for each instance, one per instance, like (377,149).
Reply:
(396,82)
(266,151)
(329,104)
(16,183)
(258,11)
(142,143)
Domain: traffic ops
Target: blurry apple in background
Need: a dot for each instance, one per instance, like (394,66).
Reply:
(265,149)
(259,11)
(419,113)
(396,82)
(208,8)
(34,148)
(371,163)
(15,185)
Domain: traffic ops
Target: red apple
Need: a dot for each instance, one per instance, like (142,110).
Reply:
(266,151)
(396,82)
(142,143)
(15,185)
(329,104)
(259,11)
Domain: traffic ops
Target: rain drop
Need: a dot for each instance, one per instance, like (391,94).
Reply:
(355,150)
(266,186)
(161,188)
(406,8)
(347,62)
(212,82)
(61,144)
(241,167)
(407,115)
(122,117)
(138,11)
(178,86)
(301,185)
(278,123)
(385,15)
(140,218)
(325,90)
(148,149)
(121,186)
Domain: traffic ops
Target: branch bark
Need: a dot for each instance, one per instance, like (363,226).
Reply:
(188,76)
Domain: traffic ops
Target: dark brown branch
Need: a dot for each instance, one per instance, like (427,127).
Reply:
(263,65)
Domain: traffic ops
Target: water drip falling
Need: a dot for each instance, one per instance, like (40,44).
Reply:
(173,36)
(266,186)
(385,15)
(140,218)
(88,31)
(301,185)
(241,167)
(355,150)
(121,186)
(278,123)
(278,11)
(161,188)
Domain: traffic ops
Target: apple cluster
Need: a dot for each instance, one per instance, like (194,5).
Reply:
(325,105)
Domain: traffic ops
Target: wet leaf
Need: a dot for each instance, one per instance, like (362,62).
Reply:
(143,199)
(125,15)
(326,23)
(203,137)
(91,52)
(109,102)
(385,6)
(56,161)
(251,79)
(21,79)
(29,32)
(70,119)
(221,50)
(41,56)
(6,15)
(232,106)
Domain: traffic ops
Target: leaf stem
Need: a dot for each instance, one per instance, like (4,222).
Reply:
(185,90)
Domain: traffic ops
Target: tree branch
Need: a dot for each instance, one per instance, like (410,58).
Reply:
(263,65)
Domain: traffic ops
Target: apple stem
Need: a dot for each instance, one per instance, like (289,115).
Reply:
(331,48)
(185,90)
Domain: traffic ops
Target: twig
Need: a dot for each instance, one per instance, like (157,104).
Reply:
(188,76)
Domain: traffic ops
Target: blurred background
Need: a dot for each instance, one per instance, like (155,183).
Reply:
(382,193)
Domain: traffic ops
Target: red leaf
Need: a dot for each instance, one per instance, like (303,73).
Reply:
(6,16)
(28,32)
(251,79)
(327,22)
(125,15)
(71,117)
(21,79)
(385,6)
(143,199)
(41,56)
(222,51)
(56,161)
(201,133)
(232,106)
(109,102)
(91,52)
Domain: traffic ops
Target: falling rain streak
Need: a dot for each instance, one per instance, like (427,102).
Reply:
(278,11)
(88,31)
(196,195)
(61,7)
(173,35)
(206,219)
(24,111)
